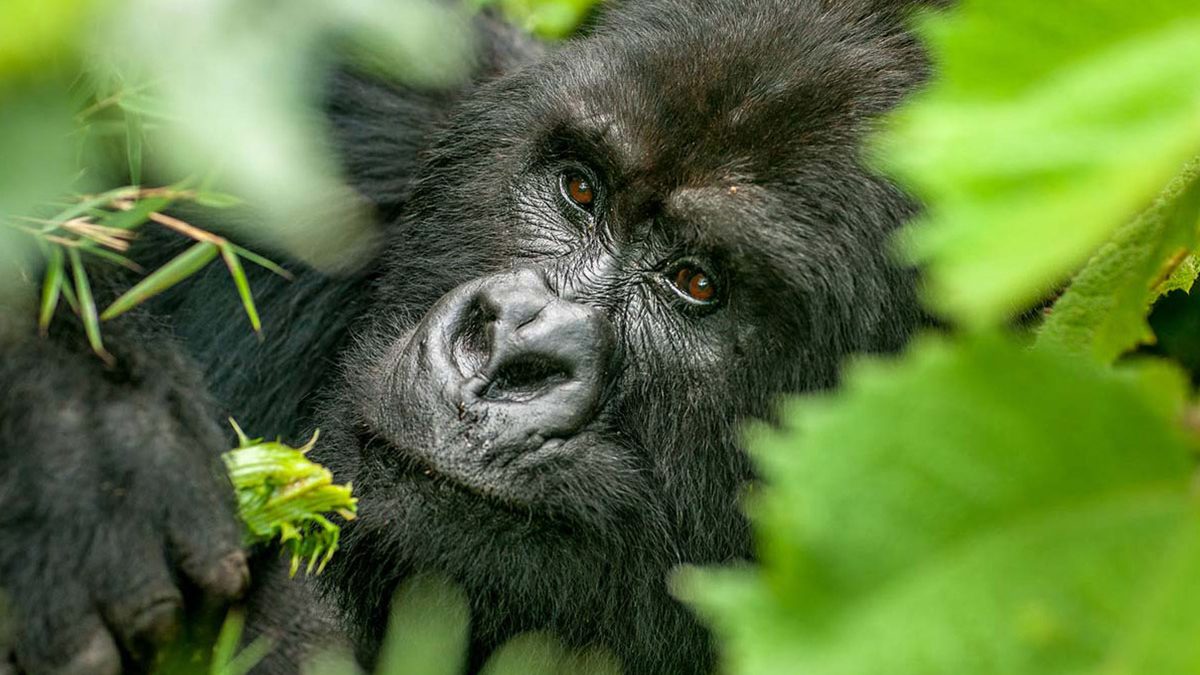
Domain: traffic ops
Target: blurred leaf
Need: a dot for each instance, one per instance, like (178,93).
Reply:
(35,129)
(552,19)
(216,200)
(428,631)
(36,33)
(179,268)
(133,146)
(247,106)
(87,306)
(1051,124)
(975,508)
(1103,313)
(543,654)
(332,663)
(226,659)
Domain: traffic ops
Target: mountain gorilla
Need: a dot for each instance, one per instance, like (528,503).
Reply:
(603,256)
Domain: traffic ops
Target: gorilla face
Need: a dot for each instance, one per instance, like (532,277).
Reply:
(614,257)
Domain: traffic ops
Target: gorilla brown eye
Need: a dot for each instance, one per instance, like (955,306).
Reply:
(695,284)
(579,190)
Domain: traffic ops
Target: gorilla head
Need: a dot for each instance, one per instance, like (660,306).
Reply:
(614,255)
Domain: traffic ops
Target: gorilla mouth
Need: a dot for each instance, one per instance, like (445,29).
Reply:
(429,481)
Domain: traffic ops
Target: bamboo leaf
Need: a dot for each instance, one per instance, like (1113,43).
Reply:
(51,289)
(87,307)
(94,202)
(216,200)
(263,262)
(140,213)
(179,268)
(242,283)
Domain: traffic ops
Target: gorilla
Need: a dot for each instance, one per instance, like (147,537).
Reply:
(602,257)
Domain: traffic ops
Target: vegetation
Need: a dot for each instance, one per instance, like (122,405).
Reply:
(999,500)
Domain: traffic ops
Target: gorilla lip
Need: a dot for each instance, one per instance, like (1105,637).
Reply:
(414,470)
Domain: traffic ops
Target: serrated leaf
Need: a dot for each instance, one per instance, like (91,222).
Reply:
(1182,278)
(976,508)
(176,270)
(1050,125)
(1103,313)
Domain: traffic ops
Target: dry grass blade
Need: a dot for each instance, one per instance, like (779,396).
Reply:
(186,229)
(108,237)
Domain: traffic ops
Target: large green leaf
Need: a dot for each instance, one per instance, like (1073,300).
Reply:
(1051,124)
(979,508)
(1103,313)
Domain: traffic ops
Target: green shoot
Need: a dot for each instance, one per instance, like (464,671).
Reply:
(284,497)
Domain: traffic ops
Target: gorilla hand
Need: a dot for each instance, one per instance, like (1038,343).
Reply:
(113,505)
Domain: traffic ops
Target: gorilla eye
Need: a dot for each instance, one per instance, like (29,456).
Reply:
(695,284)
(579,189)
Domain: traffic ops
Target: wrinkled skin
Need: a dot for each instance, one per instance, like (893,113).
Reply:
(603,259)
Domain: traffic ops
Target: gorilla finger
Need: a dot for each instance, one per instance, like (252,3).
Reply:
(216,566)
(146,623)
(95,654)
(141,602)
(205,538)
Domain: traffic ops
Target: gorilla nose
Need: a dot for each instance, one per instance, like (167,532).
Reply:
(534,360)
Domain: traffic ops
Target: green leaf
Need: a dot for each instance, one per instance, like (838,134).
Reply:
(94,202)
(1103,313)
(1182,278)
(1050,125)
(87,306)
(976,508)
(226,659)
(36,33)
(51,288)
(243,285)
(263,262)
(179,268)
(216,200)
(136,216)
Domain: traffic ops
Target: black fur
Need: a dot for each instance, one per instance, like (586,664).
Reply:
(724,132)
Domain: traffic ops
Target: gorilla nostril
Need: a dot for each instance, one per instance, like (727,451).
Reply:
(526,376)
